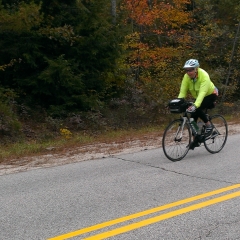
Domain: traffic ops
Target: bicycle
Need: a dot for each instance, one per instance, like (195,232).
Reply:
(177,137)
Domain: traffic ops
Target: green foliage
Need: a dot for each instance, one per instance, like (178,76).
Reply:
(9,123)
(57,84)
(61,54)
(20,18)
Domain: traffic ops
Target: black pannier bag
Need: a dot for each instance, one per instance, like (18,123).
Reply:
(177,105)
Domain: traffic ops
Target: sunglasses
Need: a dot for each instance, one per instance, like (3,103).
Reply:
(189,70)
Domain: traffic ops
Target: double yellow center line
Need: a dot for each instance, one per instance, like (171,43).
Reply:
(155,219)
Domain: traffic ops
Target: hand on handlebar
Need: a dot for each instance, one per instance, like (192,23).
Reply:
(191,108)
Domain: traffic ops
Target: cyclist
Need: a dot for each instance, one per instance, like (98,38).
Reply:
(198,83)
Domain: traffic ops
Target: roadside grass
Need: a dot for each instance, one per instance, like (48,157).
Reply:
(73,140)
(68,140)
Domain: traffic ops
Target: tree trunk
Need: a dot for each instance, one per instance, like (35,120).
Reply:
(114,11)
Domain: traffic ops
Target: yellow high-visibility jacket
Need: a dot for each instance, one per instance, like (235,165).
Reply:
(199,88)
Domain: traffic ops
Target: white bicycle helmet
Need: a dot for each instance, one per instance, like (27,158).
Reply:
(191,63)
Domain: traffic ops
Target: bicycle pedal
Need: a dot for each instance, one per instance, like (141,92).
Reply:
(213,135)
(194,144)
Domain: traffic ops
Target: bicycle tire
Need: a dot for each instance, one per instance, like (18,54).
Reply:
(175,147)
(218,138)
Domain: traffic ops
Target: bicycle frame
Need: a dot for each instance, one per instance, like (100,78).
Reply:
(180,129)
(185,118)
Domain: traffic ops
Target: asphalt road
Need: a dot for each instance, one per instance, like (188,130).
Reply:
(140,196)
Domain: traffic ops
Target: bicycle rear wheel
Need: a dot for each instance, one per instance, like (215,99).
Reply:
(218,138)
(176,140)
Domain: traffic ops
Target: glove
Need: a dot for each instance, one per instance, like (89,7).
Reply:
(191,108)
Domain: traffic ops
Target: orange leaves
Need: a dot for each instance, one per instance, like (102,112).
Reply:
(156,26)
(155,46)
(139,11)
(150,12)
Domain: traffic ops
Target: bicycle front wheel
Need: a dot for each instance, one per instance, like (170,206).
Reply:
(176,140)
(218,138)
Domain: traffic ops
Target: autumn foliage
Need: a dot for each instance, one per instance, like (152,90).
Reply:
(157,42)
(120,58)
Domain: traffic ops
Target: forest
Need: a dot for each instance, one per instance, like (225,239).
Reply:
(109,64)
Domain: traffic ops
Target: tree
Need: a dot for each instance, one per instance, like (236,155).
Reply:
(156,44)
(73,43)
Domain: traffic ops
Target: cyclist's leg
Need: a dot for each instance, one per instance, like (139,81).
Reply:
(195,141)
(207,103)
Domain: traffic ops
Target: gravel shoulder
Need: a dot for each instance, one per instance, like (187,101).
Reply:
(90,152)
